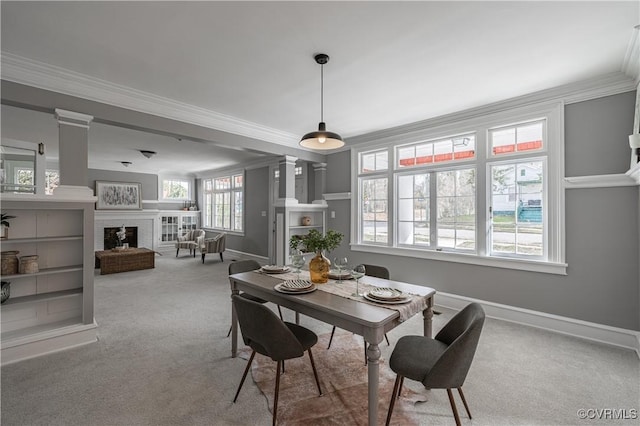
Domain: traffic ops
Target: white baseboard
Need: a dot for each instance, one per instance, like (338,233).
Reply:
(628,339)
(49,342)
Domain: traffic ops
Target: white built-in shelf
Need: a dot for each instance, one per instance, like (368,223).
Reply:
(42,239)
(43,297)
(46,271)
(305,226)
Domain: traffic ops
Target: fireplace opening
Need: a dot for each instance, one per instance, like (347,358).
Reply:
(111,239)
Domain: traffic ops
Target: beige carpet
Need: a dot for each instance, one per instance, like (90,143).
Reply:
(343,378)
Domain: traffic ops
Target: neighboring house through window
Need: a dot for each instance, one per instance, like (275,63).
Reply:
(486,190)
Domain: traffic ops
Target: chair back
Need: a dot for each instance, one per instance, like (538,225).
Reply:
(264,332)
(461,334)
(243,266)
(376,271)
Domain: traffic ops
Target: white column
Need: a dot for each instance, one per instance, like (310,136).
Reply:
(73,131)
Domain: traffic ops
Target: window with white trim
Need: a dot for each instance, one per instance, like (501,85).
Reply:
(224,202)
(51,180)
(491,192)
(176,189)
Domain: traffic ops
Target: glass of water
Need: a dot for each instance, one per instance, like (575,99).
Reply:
(357,272)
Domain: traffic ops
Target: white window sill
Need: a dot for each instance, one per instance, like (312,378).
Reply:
(472,259)
(225,231)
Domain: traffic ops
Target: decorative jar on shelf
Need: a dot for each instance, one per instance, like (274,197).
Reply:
(319,268)
(305,220)
(9,261)
(29,264)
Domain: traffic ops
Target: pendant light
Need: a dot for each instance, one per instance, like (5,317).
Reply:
(322,139)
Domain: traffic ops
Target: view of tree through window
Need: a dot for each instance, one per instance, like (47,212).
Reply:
(175,189)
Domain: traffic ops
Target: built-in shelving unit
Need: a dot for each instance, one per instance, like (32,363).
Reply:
(289,221)
(174,224)
(51,309)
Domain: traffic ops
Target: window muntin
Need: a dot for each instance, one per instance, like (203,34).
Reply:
(413,206)
(456,209)
(176,189)
(526,137)
(437,151)
(374,210)
(374,161)
(517,209)
(224,202)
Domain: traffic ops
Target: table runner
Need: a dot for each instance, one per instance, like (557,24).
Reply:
(347,287)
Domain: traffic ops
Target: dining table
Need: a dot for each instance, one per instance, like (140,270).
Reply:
(334,303)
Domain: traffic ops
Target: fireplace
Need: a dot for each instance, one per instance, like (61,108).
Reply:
(111,239)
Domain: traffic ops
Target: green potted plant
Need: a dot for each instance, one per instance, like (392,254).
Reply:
(4,222)
(315,241)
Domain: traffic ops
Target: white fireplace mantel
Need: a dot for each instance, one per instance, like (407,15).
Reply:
(145,220)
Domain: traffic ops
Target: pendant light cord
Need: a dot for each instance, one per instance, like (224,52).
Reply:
(322,93)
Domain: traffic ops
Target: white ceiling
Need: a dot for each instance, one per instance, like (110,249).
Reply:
(392,63)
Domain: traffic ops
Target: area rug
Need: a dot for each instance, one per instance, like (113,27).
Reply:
(343,378)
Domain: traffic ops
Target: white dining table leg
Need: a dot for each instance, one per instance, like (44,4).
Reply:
(373,363)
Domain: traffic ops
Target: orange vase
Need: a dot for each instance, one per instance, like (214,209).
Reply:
(319,268)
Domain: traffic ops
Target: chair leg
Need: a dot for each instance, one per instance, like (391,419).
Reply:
(229,333)
(280,312)
(244,376)
(203,257)
(333,330)
(387,339)
(394,396)
(275,395)
(464,401)
(221,259)
(315,373)
(194,253)
(453,407)
(177,251)
(400,387)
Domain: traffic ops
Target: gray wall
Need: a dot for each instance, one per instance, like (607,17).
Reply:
(256,235)
(602,232)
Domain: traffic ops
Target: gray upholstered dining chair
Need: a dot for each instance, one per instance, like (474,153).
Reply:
(268,335)
(191,240)
(442,362)
(372,271)
(246,266)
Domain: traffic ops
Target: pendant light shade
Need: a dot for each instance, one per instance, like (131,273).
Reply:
(322,139)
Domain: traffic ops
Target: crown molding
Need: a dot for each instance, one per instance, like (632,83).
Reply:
(38,74)
(605,85)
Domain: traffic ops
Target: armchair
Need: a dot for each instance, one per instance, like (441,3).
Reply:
(213,245)
(191,240)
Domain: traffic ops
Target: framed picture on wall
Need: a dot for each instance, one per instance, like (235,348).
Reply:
(118,195)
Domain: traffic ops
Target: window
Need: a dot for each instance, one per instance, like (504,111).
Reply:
(176,189)
(224,202)
(492,192)
(51,181)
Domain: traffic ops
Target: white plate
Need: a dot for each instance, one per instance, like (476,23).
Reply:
(281,289)
(387,302)
(273,269)
(334,275)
